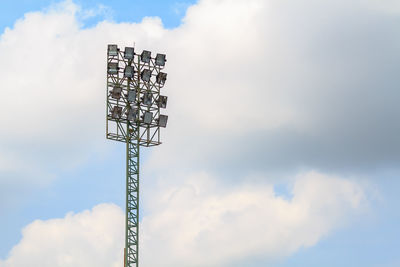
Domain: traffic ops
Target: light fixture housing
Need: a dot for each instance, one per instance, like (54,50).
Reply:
(147,117)
(129,53)
(132,96)
(112,68)
(146,75)
(116,92)
(112,50)
(162,101)
(160,59)
(162,121)
(147,98)
(129,72)
(116,112)
(132,114)
(145,56)
(161,77)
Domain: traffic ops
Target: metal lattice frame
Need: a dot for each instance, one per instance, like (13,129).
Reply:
(116,127)
(132,198)
(133,131)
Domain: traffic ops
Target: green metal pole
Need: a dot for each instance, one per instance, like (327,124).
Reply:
(137,197)
(132,187)
(126,193)
(126,200)
(132,192)
(138,167)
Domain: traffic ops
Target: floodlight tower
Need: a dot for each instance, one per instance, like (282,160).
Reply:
(134,82)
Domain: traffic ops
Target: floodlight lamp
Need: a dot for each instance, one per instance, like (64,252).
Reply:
(116,112)
(146,75)
(161,77)
(162,101)
(145,56)
(147,117)
(129,52)
(147,98)
(160,59)
(112,68)
(112,50)
(129,72)
(131,96)
(162,121)
(132,115)
(116,92)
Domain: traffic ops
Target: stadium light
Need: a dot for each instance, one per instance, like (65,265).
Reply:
(112,68)
(146,56)
(132,115)
(162,101)
(116,112)
(116,92)
(131,96)
(161,78)
(146,75)
(112,50)
(148,99)
(160,60)
(147,117)
(129,72)
(129,53)
(162,121)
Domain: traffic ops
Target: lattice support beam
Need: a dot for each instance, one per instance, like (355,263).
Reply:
(132,197)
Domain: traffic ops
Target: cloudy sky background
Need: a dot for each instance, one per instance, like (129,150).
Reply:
(282,146)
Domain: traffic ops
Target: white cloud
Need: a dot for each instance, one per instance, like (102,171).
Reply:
(205,224)
(89,238)
(282,83)
(277,85)
(47,102)
(198,223)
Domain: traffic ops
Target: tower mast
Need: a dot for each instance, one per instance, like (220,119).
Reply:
(134,82)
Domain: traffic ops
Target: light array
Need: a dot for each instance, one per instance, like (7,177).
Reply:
(134,82)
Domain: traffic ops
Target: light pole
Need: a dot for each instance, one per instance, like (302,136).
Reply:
(133,113)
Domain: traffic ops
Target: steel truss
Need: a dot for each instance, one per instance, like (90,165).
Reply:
(132,198)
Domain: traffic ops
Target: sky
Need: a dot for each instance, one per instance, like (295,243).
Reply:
(282,146)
